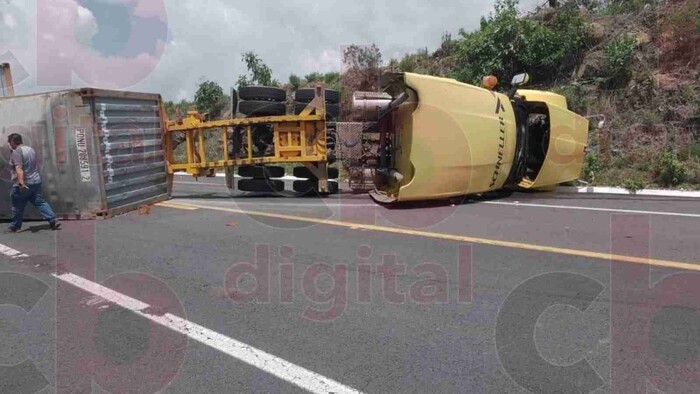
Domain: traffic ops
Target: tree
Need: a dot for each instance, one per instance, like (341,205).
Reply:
(359,58)
(210,98)
(295,81)
(331,80)
(260,73)
(362,65)
(170,109)
(507,44)
(313,77)
(448,46)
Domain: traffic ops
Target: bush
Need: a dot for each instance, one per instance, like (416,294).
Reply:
(694,152)
(618,57)
(507,44)
(448,47)
(408,64)
(634,184)
(575,97)
(670,171)
(651,118)
(332,80)
(591,167)
(625,6)
(573,33)
(693,179)
(620,162)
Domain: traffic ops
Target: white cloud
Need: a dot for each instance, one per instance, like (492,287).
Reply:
(207,37)
(326,61)
(9,20)
(182,95)
(86,26)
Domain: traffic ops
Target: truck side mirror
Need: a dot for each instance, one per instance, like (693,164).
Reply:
(520,79)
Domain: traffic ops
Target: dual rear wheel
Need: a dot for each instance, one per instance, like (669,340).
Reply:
(263,180)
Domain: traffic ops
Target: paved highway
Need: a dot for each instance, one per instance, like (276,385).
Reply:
(205,293)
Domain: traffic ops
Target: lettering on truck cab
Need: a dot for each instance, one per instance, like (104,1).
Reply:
(500,111)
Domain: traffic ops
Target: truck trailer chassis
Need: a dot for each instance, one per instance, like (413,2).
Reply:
(296,138)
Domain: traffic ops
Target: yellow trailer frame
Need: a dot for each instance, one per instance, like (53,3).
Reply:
(297,139)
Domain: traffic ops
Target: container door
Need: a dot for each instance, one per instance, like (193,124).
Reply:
(131,145)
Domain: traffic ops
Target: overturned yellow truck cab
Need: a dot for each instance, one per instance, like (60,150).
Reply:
(438,138)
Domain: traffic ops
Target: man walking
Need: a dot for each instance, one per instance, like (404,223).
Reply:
(26,184)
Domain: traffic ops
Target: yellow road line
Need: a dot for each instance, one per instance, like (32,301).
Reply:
(177,206)
(461,238)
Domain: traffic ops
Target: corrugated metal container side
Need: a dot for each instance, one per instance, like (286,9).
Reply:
(100,152)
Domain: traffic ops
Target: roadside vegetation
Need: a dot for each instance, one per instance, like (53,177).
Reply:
(634,63)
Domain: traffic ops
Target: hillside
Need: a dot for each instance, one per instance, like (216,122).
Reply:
(635,63)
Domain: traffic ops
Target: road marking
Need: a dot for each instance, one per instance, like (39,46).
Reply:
(200,183)
(11,253)
(257,358)
(302,205)
(175,205)
(260,359)
(517,204)
(168,204)
(467,239)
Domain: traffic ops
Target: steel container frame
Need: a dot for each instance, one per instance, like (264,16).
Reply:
(100,153)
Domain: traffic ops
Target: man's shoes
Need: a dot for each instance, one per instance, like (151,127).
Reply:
(55,226)
(10,230)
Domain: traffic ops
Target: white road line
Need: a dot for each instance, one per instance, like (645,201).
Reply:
(260,359)
(223,184)
(200,183)
(284,178)
(517,204)
(11,253)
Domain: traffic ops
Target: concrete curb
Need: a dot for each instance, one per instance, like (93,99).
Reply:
(625,192)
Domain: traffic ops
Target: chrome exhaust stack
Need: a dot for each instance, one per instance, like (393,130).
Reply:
(368,106)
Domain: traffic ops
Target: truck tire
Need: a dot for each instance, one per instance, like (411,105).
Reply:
(310,187)
(332,110)
(234,102)
(262,108)
(305,173)
(306,95)
(261,172)
(260,186)
(262,93)
(331,136)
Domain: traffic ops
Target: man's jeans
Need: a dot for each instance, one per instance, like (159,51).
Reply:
(20,198)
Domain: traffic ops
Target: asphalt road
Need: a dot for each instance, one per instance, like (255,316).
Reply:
(525,293)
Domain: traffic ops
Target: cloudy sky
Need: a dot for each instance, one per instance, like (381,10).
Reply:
(169,46)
